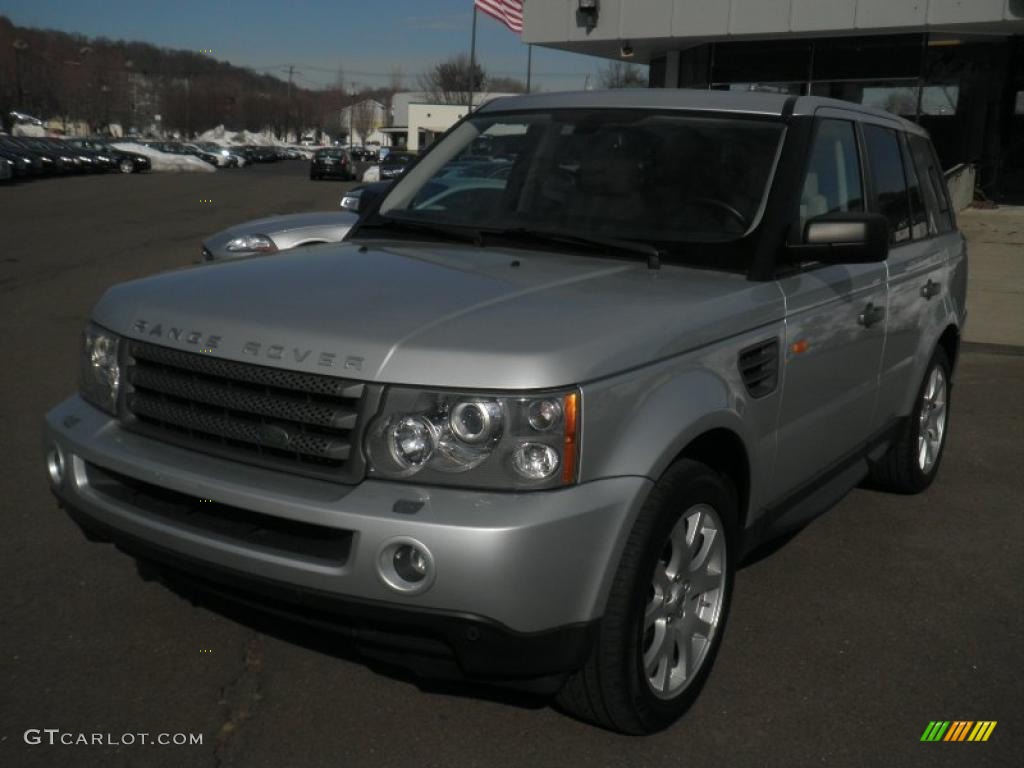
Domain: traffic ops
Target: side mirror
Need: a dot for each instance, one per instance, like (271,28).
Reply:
(844,238)
(372,194)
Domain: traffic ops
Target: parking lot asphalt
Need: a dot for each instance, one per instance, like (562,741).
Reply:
(885,614)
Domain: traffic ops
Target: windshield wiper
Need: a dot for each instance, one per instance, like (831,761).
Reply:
(466,234)
(607,244)
(479,236)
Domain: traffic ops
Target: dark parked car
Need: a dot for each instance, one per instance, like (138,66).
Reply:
(332,163)
(175,148)
(26,163)
(395,164)
(92,159)
(126,162)
(360,198)
(51,161)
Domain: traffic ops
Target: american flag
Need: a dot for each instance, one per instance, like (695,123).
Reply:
(508,12)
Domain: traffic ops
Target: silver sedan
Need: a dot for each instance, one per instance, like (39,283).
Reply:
(277,233)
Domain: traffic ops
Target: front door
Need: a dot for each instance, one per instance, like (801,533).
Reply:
(835,328)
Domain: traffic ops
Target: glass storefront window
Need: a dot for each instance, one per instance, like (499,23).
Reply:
(940,100)
(788,89)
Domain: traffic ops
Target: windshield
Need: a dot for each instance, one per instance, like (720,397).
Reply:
(638,174)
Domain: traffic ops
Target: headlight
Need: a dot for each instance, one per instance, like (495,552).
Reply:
(99,371)
(251,243)
(476,440)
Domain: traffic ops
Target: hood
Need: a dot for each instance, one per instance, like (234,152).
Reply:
(287,222)
(440,315)
(287,230)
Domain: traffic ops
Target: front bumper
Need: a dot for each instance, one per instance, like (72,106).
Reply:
(521,579)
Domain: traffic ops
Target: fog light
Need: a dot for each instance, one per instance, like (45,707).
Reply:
(535,461)
(410,563)
(406,565)
(55,465)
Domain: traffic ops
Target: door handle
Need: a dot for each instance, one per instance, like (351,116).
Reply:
(870,315)
(930,289)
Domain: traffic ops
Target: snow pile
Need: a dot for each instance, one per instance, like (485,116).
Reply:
(220,135)
(164,161)
(228,139)
(372,174)
(28,129)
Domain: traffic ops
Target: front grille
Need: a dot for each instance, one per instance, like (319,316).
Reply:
(242,526)
(303,423)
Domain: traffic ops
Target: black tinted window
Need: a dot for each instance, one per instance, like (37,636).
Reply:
(891,198)
(933,184)
(832,183)
(919,224)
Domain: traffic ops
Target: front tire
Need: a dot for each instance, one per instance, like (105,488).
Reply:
(913,459)
(667,607)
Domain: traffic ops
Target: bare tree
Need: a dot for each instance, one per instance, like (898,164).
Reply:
(506,85)
(619,74)
(451,82)
(364,119)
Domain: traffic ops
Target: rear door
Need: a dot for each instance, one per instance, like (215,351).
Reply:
(835,325)
(904,187)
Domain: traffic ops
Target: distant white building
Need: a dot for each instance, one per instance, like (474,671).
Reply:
(352,118)
(417,120)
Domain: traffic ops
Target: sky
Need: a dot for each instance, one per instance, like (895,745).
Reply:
(366,39)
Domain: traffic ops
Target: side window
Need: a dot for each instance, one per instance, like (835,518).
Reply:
(933,183)
(891,199)
(920,226)
(833,182)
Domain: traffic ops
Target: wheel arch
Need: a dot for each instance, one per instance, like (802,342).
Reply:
(949,341)
(724,451)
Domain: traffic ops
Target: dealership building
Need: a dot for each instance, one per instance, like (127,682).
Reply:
(955,66)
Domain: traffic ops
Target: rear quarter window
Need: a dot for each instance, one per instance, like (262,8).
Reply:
(890,182)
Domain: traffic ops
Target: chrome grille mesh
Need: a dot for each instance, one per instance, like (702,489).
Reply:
(301,422)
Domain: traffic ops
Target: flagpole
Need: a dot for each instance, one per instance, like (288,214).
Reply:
(472,61)
(529,65)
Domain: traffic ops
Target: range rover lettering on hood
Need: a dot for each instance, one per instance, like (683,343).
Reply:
(208,342)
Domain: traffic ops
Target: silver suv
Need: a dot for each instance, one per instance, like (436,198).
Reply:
(524,429)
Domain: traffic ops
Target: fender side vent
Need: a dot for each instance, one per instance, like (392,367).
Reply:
(759,368)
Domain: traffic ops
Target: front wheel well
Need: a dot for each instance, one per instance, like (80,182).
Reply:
(723,451)
(950,343)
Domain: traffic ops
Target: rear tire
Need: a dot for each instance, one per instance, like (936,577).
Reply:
(126,166)
(913,459)
(664,599)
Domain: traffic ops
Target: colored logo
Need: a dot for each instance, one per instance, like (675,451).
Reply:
(958,730)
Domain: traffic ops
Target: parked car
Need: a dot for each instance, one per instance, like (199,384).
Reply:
(277,233)
(265,154)
(359,198)
(177,148)
(126,162)
(100,159)
(26,163)
(527,435)
(225,157)
(49,162)
(395,164)
(332,163)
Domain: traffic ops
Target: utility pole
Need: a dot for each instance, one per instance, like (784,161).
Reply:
(288,105)
(19,45)
(351,115)
(472,62)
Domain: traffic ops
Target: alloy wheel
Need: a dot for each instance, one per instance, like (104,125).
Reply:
(931,428)
(685,600)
